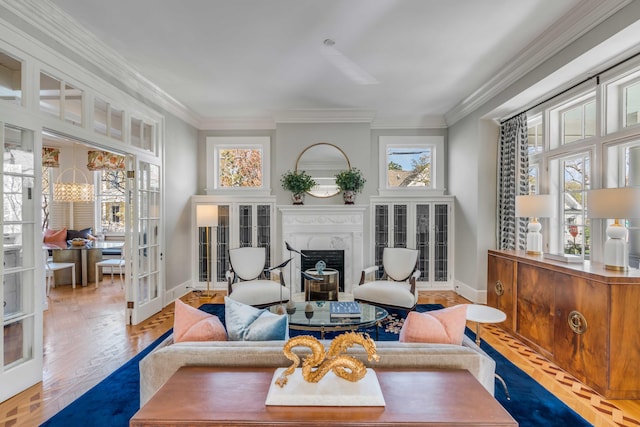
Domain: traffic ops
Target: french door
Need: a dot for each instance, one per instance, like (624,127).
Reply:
(22,284)
(143,240)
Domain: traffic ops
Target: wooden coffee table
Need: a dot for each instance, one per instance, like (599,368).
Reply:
(207,396)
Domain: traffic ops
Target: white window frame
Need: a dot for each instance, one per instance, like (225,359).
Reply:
(435,143)
(216,143)
(97,179)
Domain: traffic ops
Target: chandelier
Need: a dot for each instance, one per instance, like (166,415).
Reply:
(73,191)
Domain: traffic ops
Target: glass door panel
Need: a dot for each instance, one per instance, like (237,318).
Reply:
(263,230)
(399,226)
(147,254)
(441,242)
(423,223)
(245,225)
(21,310)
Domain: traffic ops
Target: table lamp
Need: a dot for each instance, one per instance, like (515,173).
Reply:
(534,206)
(616,203)
(207,217)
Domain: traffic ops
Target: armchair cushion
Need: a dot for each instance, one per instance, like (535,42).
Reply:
(246,323)
(388,293)
(191,324)
(445,326)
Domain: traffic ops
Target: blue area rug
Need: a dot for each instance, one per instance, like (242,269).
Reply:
(116,399)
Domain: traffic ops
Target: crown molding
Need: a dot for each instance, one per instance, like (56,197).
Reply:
(56,26)
(233,123)
(324,115)
(409,122)
(579,20)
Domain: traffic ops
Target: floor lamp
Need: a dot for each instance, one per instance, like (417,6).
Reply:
(616,203)
(207,217)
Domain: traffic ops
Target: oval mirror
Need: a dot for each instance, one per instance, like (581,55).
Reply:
(323,161)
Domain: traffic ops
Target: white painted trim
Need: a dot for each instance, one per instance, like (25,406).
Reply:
(176,292)
(63,29)
(416,122)
(215,143)
(242,123)
(325,115)
(437,161)
(472,294)
(579,20)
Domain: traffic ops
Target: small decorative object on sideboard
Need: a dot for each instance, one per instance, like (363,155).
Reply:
(298,183)
(350,182)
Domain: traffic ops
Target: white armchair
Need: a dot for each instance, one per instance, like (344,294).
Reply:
(247,281)
(397,288)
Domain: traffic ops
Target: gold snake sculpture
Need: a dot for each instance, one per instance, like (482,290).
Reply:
(318,364)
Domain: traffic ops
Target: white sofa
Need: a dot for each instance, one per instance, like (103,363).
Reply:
(159,365)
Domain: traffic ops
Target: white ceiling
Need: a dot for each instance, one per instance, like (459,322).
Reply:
(249,58)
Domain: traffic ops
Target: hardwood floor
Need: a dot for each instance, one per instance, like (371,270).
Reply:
(86,339)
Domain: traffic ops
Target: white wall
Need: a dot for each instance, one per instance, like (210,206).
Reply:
(181,181)
(473,160)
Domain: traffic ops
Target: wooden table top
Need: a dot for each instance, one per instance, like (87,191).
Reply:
(207,396)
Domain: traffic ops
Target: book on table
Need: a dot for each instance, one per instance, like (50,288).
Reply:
(344,309)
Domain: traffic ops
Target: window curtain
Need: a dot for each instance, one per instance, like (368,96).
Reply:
(104,160)
(50,157)
(513,175)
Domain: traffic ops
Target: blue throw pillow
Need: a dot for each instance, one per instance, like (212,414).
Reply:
(82,234)
(247,323)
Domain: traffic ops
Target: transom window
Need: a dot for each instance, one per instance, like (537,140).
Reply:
(411,163)
(10,79)
(238,163)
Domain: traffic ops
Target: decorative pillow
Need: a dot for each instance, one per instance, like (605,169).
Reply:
(83,234)
(191,324)
(247,323)
(54,236)
(445,326)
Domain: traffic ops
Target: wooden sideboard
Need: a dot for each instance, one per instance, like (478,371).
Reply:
(584,318)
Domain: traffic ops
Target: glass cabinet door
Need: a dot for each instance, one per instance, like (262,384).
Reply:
(423,241)
(441,243)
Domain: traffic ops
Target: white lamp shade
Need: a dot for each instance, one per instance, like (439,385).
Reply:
(206,215)
(614,203)
(535,206)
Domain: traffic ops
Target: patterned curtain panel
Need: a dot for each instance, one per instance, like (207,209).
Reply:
(50,157)
(513,175)
(103,160)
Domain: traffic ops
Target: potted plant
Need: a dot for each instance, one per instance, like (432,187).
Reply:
(350,182)
(298,182)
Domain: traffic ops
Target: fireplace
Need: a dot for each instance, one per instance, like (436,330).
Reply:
(324,228)
(333,259)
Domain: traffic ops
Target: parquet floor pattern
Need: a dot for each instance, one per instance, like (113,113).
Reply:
(86,339)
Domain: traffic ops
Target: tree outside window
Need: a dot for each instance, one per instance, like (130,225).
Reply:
(240,167)
(111,200)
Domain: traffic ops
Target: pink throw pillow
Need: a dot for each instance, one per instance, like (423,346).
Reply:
(191,324)
(445,326)
(55,236)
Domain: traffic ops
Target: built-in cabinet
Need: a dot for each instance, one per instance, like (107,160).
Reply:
(242,222)
(425,224)
(582,317)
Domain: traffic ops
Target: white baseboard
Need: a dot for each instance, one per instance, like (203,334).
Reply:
(172,294)
(473,295)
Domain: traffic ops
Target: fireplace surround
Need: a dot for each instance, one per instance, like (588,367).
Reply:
(338,227)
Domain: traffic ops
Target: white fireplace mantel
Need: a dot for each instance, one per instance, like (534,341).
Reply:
(338,227)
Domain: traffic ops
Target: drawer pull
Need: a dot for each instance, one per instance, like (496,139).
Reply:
(499,288)
(577,322)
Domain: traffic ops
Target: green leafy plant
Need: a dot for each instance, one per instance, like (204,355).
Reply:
(297,182)
(350,180)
